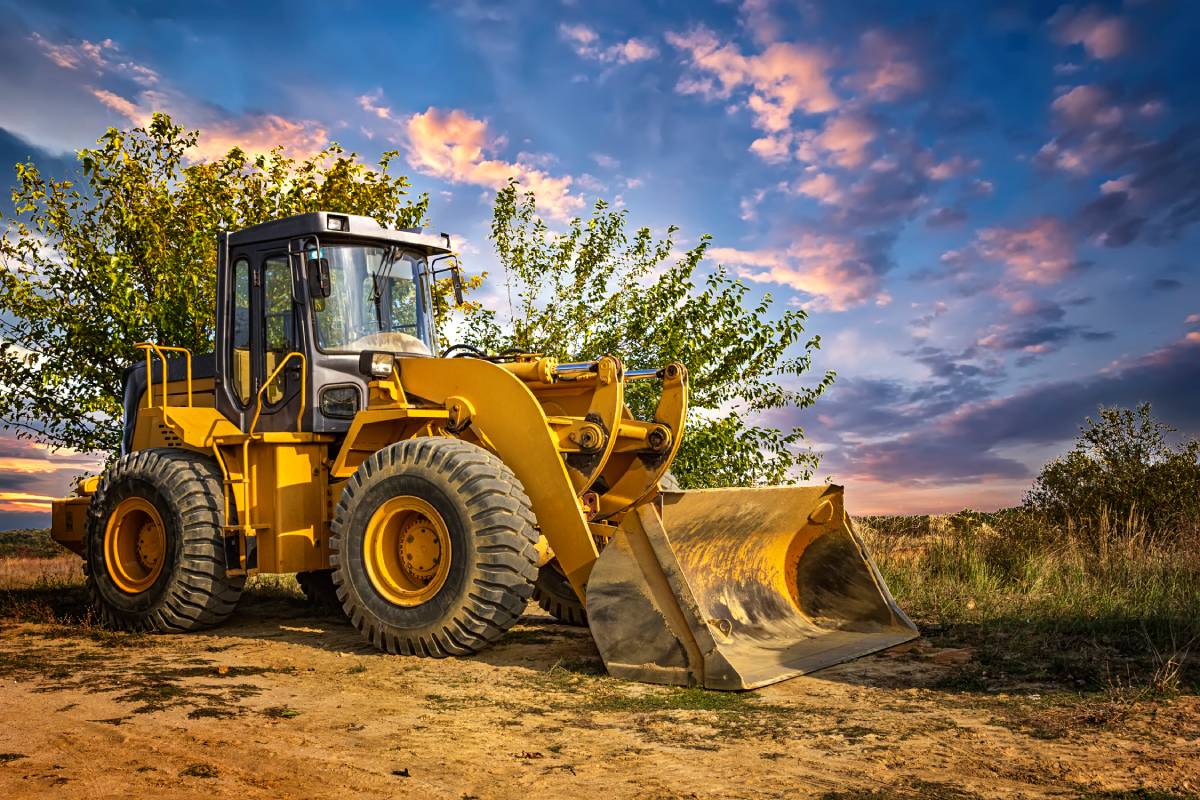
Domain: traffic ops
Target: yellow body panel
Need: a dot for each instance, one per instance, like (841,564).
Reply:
(68,521)
(290,504)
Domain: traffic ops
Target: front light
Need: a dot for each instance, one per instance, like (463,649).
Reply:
(376,365)
(337,223)
(339,401)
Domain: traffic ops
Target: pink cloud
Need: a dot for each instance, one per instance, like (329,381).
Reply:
(757,17)
(782,80)
(220,131)
(832,269)
(953,167)
(1102,35)
(1087,106)
(1042,252)
(586,44)
(820,186)
(773,149)
(99,57)
(890,72)
(1094,129)
(454,146)
(847,137)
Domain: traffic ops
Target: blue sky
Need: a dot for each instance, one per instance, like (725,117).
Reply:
(987,208)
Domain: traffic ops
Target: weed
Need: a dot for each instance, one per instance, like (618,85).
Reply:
(281,712)
(199,771)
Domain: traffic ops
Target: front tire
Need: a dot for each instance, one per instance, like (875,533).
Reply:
(153,552)
(433,548)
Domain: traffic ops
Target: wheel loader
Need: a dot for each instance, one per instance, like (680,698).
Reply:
(431,496)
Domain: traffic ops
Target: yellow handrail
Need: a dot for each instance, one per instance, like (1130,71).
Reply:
(158,349)
(271,379)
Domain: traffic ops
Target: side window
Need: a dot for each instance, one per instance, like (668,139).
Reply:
(240,366)
(279,319)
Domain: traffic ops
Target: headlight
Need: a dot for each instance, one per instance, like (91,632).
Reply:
(339,401)
(376,365)
(337,223)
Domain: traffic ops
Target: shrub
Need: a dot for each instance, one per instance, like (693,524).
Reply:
(1123,468)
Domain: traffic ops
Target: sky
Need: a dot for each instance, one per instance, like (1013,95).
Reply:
(986,208)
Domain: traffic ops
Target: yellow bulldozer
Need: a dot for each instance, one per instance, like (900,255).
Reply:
(432,496)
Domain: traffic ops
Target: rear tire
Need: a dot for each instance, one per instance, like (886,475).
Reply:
(408,507)
(153,552)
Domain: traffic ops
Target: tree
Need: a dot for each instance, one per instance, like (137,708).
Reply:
(598,289)
(1122,466)
(88,271)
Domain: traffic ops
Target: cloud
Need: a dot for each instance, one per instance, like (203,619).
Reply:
(820,186)
(586,44)
(1103,36)
(221,130)
(1036,340)
(846,137)
(605,161)
(982,188)
(750,203)
(953,167)
(99,58)
(835,272)
(454,146)
(890,72)
(946,217)
(781,81)
(967,445)
(1042,252)
(31,476)
(14,149)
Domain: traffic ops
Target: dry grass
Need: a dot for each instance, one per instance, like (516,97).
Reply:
(1067,605)
(26,572)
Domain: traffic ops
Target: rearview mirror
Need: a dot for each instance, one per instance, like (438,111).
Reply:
(457,282)
(318,277)
(456,278)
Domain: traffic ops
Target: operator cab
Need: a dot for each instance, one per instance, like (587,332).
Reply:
(330,287)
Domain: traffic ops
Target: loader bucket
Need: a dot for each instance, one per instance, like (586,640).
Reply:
(738,588)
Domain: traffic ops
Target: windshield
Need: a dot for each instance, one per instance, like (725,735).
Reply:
(374,301)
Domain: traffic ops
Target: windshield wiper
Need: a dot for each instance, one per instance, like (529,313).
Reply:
(376,294)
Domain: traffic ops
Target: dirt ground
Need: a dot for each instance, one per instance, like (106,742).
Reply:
(283,702)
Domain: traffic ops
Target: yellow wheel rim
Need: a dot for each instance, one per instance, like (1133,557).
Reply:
(406,550)
(135,545)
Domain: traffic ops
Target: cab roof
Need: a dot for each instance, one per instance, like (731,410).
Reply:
(345,226)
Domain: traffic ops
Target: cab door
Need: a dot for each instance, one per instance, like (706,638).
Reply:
(276,309)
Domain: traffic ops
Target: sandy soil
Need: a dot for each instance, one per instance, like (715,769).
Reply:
(283,703)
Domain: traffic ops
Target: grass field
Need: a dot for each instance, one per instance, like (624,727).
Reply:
(1102,609)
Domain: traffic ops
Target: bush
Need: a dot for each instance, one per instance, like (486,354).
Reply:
(1123,469)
